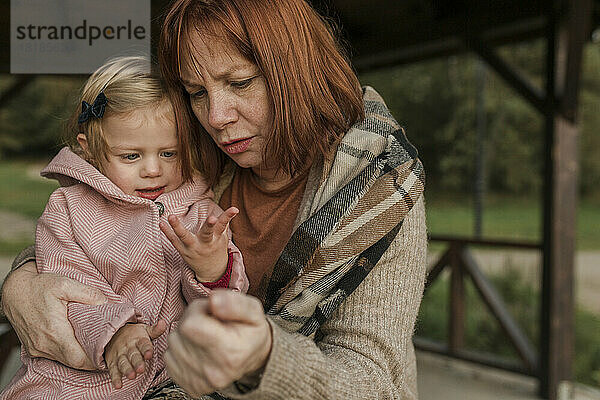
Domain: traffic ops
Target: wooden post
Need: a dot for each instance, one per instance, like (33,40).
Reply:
(566,38)
(457,300)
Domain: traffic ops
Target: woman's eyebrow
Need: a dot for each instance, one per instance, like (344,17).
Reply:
(228,73)
(188,83)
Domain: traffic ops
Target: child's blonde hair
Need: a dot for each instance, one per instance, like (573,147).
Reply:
(129,85)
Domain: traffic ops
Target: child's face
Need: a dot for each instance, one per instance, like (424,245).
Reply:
(142,152)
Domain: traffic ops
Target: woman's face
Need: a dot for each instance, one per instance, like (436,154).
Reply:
(229,97)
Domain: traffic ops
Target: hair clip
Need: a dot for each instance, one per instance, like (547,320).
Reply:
(96,110)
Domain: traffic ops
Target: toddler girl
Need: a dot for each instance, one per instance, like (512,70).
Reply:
(125,177)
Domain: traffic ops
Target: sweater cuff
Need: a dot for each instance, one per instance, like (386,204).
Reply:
(223,281)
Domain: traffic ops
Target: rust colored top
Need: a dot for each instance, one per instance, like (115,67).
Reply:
(264,225)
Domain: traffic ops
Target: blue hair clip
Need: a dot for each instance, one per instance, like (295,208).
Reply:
(95,110)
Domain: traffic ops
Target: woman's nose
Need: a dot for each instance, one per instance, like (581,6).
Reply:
(221,111)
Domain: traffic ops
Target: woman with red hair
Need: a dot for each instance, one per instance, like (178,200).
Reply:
(331,223)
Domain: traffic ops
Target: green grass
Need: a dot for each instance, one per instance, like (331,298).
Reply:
(23,192)
(10,248)
(509,218)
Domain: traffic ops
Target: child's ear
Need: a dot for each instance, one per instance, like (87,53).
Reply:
(82,140)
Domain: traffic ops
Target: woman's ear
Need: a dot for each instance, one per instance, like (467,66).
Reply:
(82,140)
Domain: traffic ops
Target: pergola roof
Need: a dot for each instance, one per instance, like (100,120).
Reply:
(385,32)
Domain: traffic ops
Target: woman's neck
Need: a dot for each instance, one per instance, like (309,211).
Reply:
(271,179)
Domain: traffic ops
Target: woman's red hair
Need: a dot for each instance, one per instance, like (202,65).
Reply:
(314,93)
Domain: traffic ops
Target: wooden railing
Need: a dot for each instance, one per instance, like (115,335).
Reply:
(458,258)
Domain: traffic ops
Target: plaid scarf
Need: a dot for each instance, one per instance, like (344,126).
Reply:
(365,191)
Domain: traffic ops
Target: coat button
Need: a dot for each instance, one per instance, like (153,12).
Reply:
(161,208)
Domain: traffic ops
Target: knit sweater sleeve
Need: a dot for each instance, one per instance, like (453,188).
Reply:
(366,351)
(57,251)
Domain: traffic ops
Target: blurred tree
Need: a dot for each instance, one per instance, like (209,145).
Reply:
(589,115)
(32,123)
(435,102)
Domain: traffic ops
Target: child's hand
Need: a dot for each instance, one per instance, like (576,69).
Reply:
(128,348)
(206,251)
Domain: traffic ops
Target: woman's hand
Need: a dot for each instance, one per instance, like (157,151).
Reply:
(219,340)
(206,251)
(36,306)
(129,347)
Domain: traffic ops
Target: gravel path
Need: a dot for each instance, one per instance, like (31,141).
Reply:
(15,226)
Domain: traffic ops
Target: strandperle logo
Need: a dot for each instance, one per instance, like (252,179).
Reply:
(76,36)
(89,33)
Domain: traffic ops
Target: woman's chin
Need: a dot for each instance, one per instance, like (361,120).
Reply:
(245,160)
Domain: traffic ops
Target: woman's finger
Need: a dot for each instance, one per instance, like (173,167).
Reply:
(224,220)
(231,306)
(184,365)
(40,318)
(183,358)
(199,356)
(72,291)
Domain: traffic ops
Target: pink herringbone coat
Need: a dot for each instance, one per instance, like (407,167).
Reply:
(93,232)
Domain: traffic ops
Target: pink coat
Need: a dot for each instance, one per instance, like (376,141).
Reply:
(92,232)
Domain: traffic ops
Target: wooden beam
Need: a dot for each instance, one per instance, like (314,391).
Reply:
(439,266)
(500,311)
(471,356)
(465,240)
(456,323)
(576,34)
(566,39)
(534,95)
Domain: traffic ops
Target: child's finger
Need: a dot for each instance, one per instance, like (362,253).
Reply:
(145,348)
(157,329)
(137,361)
(166,229)
(115,376)
(125,367)
(186,237)
(206,231)
(224,220)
